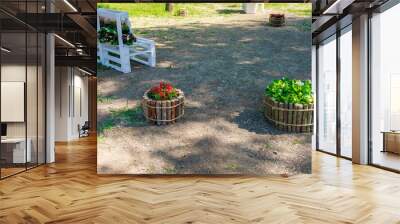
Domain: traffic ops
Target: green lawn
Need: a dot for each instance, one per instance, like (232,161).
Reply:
(202,9)
(298,9)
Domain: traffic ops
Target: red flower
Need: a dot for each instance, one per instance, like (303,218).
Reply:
(169,87)
(155,89)
(162,91)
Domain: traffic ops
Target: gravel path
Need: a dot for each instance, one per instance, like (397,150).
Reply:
(223,65)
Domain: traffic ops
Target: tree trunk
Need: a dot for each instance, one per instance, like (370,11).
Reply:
(169,7)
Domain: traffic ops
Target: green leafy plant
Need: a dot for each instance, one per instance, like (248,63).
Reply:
(290,91)
(108,34)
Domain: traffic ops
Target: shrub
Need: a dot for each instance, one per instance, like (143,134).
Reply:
(290,91)
(164,91)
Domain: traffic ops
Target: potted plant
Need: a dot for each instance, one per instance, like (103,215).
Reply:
(277,19)
(289,105)
(183,12)
(108,34)
(163,104)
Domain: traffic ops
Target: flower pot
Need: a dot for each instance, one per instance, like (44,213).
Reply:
(289,117)
(162,112)
(277,19)
(183,12)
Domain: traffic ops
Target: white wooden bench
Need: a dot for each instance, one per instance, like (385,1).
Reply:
(119,56)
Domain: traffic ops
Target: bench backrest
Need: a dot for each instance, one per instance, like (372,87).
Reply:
(117,16)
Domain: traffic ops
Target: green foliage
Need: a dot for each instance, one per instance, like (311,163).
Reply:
(297,9)
(124,117)
(105,99)
(108,34)
(232,166)
(169,170)
(203,9)
(290,91)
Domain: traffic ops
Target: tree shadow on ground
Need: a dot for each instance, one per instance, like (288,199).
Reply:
(206,159)
(254,121)
(223,70)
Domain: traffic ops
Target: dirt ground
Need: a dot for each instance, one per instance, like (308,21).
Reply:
(223,65)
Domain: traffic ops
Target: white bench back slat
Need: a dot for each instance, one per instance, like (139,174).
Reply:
(125,52)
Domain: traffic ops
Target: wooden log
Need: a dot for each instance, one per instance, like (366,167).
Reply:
(145,108)
(285,116)
(275,114)
(167,109)
(304,118)
(170,111)
(181,106)
(158,110)
(311,118)
(164,112)
(282,116)
(299,117)
(177,108)
(154,103)
(173,114)
(294,118)
(290,117)
(271,111)
(154,111)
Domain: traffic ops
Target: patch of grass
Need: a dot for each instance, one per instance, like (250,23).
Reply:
(169,170)
(151,169)
(124,117)
(231,166)
(101,138)
(203,9)
(268,145)
(105,99)
(298,142)
(158,9)
(297,9)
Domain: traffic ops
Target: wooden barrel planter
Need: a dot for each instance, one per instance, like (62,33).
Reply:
(277,19)
(183,12)
(163,112)
(289,117)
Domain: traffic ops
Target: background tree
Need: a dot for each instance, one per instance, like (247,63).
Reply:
(169,7)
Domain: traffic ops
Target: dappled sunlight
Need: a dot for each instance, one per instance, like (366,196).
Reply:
(250,62)
(223,66)
(165,64)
